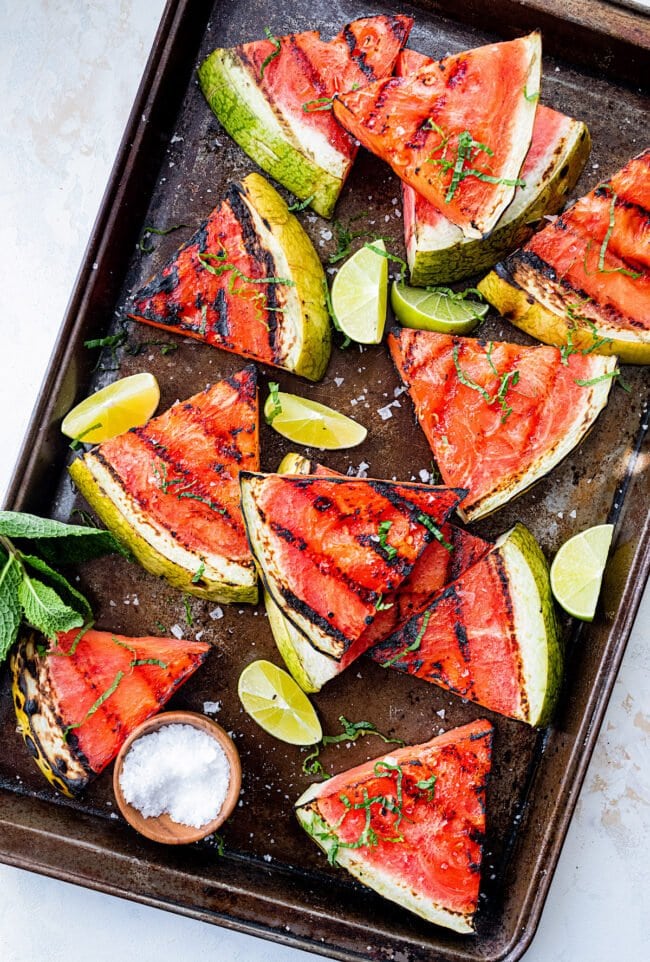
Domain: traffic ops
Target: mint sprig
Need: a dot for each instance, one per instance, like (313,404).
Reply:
(31,589)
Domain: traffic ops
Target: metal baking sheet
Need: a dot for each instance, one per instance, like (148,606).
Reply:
(272,881)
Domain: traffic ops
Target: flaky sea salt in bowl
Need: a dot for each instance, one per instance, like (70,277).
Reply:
(177,777)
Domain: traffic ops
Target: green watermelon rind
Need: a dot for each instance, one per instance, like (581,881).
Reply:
(246,115)
(463,256)
(553,326)
(152,546)
(310,668)
(536,627)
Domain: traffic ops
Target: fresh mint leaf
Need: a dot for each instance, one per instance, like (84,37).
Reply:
(44,609)
(10,608)
(68,593)
(57,541)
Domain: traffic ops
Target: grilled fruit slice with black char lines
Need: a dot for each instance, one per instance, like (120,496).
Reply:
(410,825)
(78,700)
(249,281)
(169,490)
(319,548)
(490,636)
(273,97)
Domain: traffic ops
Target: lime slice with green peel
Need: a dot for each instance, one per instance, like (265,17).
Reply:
(310,423)
(360,295)
(577,571)
(438,311)
(122,405)
(274,700)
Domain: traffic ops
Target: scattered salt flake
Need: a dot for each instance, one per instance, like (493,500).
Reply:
(354,401)
(176,139)
(176,631)
(339,381)
(424,475)
(399,390)
(387,218)
(326,234)
(441,713)
(112,604)
(385,413)
(394,201)
(268,858)
(362,470)
(216,613)
(199,635)
(573,514)
(560,514)
(211,707)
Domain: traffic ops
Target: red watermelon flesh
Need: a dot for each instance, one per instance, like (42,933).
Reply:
(498,447)
(182,467)
(465,641)
(308,71)
(596,255)
(227,311)
(316,542)
(410,825)
(438,127)
(105,665)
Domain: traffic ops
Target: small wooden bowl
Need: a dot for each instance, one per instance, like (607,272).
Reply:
(162,828)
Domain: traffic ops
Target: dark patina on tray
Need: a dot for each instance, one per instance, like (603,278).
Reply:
(272,881)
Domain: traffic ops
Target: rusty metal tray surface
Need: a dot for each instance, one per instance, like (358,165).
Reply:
(272,881)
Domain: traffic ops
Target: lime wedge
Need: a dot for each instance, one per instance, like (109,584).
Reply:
(434,310)
(577,571)
(273,699)
(122,405)
(360,294)
(310,423)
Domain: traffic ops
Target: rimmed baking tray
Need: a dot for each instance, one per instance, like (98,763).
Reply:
(271,880)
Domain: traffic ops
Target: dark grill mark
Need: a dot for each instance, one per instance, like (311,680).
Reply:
(220,308)
(306,68)
(263,257)
(164,283)
(287,535)
(456,73)
(310,615)
(322,503)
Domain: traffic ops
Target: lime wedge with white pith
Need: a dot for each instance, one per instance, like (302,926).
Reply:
(122,405)
(430,310)
(577,571)
(360,295)
(310,423)
(273,699)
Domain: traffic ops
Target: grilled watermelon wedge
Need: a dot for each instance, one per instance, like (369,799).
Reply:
(490,636)
(584,281)
(457,130)
(498,416)
(169,490)
(318,547)
(436,566)
(249,281)
(410,825)
(438,252)
(272,96)
(77,702)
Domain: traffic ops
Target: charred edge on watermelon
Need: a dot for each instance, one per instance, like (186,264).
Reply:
(52,741)
(439,253)
(322,634)
(160,550)
(467,752)
(560,319)
(58,758)
(297,151)
(286,286)
(528,644)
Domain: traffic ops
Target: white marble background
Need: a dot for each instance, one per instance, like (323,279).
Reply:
(68,75)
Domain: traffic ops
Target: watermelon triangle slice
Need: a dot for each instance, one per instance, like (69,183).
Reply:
(437,565)
(318,544)
(77,702)
(498,416)
(438,252)
(248,281)
(169,490)
(273,97)
(457,130)
(410,825)
(490,635)
(585,279)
